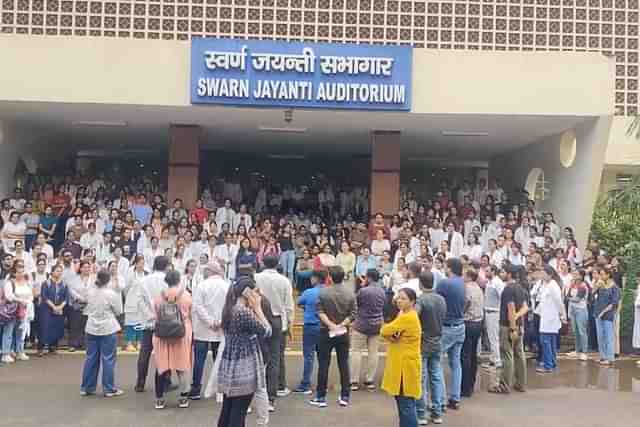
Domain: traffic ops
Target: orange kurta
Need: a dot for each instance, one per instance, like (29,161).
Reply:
(174,353)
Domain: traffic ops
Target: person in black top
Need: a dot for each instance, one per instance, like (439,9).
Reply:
(513,307)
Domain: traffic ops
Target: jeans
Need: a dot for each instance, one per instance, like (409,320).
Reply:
(514,363)
(548,342)
(143,358)
(201,348)
(432,381)
(492,325)
(14,328)
(473,330)
(579,321)
(310,334)
(234,411)
(101,349)
(407,411)
(452,341)
(29,239)
(288,262)
(273,362)
(325,346)
(605,339)
(360,343)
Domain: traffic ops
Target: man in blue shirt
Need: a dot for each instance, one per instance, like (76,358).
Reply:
(365,262)
(142,211)
(453,331)
(311,329)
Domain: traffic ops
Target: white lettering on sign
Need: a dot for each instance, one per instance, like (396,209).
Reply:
(364,93)
(223,88)
(284,90)
(354,65)
(226,60)
(304,63)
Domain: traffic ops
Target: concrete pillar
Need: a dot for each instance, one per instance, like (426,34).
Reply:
(184,163)
(385,172)
(573,187)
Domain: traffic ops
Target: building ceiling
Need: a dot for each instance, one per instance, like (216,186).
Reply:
(130,127)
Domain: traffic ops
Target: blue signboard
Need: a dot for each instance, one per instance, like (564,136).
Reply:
(305,75)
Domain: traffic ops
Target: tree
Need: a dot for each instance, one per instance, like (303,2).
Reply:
(616,225)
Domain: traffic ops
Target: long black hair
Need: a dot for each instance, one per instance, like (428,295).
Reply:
(235,292)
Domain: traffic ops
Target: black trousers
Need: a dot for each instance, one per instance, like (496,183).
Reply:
(324,348)
(273,362)
(282,376)
(143,358)
(77,323)
(234,411)
(469,355)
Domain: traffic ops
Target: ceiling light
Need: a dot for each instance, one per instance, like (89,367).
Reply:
(99,123)
(287,156)
(464,133)
(282,130)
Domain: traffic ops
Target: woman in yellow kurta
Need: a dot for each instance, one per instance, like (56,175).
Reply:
(403,369)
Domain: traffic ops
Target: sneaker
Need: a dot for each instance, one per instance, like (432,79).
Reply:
(572,355)
(139,389)
(544,371)
(583,357)
(354,387)
(114,393)
(343,401)
(320,402)
(436,420)
(23,357)
(7,359)
(453,405)
(370,386)
(272,407)
(283,392)
(160,404)
(423,421)
(249,410)
(183,402)
(86,393)
(193,395)
(302,390)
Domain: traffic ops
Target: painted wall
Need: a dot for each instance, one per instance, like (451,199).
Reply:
(546,83)
(156,72)
(573,190)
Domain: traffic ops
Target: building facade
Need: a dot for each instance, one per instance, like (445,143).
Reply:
(542,61)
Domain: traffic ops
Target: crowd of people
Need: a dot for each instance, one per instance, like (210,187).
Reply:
(86,258)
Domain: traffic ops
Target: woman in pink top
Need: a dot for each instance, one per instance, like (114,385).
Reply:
(173,354)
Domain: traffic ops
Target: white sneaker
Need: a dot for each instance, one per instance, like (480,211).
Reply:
(7,359)
(583,357)
(283,392)
(23,357)
(572,355)
(423,421)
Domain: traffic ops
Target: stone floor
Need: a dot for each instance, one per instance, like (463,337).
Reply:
(46,392)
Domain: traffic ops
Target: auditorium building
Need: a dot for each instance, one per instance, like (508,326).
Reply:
(536,93)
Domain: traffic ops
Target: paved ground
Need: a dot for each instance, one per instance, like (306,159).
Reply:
(46,392)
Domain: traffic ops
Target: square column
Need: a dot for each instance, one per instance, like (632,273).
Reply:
(184,164)
(385,172)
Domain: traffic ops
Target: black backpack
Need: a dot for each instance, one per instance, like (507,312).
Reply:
(169,321)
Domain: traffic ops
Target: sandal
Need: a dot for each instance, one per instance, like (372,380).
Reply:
(499,389)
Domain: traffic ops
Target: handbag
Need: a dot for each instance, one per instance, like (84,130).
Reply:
(8,311)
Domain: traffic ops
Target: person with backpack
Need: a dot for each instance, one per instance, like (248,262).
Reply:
(150,288)
(172,336)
